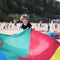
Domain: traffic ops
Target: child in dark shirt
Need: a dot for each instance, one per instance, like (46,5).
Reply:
(24,19)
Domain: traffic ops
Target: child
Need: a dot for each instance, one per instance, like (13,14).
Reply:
(24,19)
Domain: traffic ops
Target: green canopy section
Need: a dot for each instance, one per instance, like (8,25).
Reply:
(15,45)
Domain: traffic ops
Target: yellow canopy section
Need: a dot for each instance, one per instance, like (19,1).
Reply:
(56,55)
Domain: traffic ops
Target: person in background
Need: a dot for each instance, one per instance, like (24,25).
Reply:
(48,27)
(25,20)
(40,23)
(15,24)
(7,25)
(10,24)
(56,25)
(3,24)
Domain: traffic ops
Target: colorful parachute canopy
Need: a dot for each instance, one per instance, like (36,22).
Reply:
(58,34)
(52,34)
(56,55)
(28,45)
(42,47)
(15,45)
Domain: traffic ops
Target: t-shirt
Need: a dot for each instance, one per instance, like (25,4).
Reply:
(26,26)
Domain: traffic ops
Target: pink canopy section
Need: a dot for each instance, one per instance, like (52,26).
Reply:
(42,47)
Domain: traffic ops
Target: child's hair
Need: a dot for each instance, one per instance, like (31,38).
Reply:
(24,16)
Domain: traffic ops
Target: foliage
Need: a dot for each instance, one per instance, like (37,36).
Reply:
(35,8)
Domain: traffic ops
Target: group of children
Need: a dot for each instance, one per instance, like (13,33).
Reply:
(25,23)
(24,18)
(6,25)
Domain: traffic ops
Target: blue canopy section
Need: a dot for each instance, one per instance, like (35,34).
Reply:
(2,56)
(15,45)
(52,34)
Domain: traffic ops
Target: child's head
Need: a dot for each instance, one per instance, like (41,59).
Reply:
(24,18)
